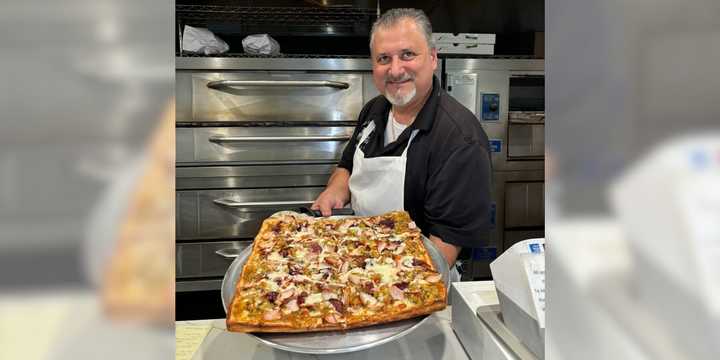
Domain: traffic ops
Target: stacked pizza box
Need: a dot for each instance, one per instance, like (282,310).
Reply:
(464,43)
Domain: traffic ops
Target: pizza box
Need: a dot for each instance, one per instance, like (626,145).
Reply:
(465,49)
(463,38)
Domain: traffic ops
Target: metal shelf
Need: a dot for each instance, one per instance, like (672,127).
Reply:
(279,56)
(273,15)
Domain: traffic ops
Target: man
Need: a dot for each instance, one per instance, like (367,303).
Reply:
(415,147)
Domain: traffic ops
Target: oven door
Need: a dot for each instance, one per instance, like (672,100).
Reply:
(253,145)
(274,96)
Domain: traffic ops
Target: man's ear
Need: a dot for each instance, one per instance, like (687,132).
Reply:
(433,58)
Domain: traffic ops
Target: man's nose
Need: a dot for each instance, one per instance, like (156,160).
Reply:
(396,68)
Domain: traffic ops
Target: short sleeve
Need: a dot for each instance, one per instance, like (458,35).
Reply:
(457,204)
(346,159)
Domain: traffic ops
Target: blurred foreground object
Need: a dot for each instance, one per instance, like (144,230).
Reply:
(644,285)
(139,279)
(669,208)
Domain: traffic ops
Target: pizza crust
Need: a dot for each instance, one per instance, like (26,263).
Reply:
(415,312)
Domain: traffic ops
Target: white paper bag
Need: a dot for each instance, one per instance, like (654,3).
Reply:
(202,41)
(260,44)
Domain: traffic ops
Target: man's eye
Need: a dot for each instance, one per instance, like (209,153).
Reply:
(408,55)
(383,59)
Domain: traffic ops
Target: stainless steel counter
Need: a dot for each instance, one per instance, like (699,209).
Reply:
(433,340)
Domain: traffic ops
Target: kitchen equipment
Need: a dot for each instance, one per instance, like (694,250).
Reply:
(332,342)
(254,136)
(479,325)
(507,96)
(519,275)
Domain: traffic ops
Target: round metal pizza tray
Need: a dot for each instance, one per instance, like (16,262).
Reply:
(332,342)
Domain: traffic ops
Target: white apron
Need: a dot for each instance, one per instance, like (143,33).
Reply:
(377,185)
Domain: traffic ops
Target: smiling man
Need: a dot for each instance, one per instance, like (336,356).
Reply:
(415,147)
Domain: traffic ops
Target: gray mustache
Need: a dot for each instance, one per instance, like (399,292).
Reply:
(405,77)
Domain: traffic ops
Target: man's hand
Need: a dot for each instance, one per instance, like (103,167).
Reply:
(449,251)
(336,194)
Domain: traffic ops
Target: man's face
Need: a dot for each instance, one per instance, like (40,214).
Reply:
(403,64)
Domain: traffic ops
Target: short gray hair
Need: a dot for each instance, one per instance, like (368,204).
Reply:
(393,16)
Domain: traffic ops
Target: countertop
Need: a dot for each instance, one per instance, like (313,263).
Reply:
(432,340)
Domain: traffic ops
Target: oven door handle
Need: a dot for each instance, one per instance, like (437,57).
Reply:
(221,84)
(229,253)
(250,204)
(222,139)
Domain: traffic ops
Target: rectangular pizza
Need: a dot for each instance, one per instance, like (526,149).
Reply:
(320,274)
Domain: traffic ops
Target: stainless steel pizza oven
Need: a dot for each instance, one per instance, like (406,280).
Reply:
(254,136)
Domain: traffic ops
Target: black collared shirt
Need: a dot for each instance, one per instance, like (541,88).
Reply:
(448,174)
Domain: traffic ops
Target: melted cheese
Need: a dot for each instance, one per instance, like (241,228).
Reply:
(387,272)
(344,277)
(407,261)
(275,256)
(300,253)
(270,285)
(314,299)
(275,275)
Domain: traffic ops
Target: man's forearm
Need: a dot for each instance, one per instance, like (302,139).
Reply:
(449,251)
(340,180)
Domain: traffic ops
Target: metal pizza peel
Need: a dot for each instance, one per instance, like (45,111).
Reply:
(332,342)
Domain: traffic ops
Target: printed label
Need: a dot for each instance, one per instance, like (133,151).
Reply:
(495,145)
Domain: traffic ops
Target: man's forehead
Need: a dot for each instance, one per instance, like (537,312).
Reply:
(404,35)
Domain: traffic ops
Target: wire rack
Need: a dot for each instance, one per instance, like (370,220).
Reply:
(278,56)
(275,15)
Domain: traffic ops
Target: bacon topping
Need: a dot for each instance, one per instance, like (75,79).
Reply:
(389,223)
(301,298)
(338,305)
(315,248)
